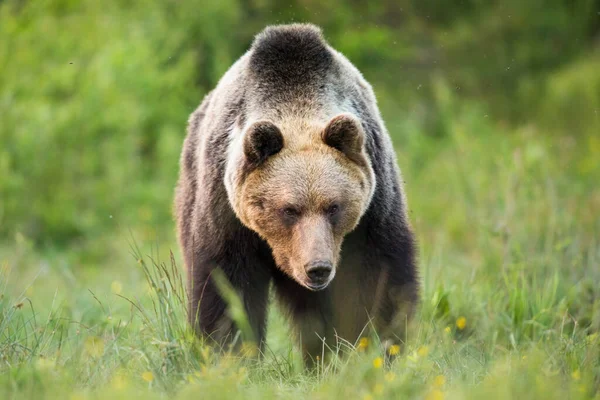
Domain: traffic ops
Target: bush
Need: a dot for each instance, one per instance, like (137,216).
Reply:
(94,101)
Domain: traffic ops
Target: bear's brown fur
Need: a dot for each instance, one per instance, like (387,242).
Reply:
(288,176)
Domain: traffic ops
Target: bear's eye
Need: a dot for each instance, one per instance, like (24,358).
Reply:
(333,209)
(291,212)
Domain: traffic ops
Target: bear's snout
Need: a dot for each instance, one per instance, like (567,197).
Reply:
(319,274)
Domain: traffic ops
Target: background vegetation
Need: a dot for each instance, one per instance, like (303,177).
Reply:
(494,108)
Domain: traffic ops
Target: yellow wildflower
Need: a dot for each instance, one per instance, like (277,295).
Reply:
(461,323)
(423,351)
(116,287)
(435,394)
(576,375)
(363,343)
(378,362)
(447,329)
(439,381)
(148,376)
(394,350)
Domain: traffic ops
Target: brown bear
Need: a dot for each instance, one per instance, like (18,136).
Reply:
(289,177)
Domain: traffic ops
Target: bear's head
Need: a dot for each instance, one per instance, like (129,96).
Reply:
(302,192)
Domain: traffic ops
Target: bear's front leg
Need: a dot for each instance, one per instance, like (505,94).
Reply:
(209,312)
(310,314)
(395,294)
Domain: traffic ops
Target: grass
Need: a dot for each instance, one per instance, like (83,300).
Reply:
(509,256)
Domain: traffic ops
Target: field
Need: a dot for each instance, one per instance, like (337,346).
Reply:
(506,210)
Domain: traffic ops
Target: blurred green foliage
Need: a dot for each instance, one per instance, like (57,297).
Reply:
(94,96)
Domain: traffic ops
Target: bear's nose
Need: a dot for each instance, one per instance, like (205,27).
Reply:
(319,271)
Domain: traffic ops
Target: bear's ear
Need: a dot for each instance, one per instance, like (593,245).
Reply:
(344,133)
(262,140)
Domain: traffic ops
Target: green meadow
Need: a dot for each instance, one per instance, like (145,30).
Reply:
(494,111)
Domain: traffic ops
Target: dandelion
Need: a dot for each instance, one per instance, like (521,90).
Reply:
(148,376)
(363,343)
(439,381)
(394,350)
(378,362)
(447,330)
(423,351)
(435,395)
(461,323)
(116,287)
(390,376)
(576,375)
